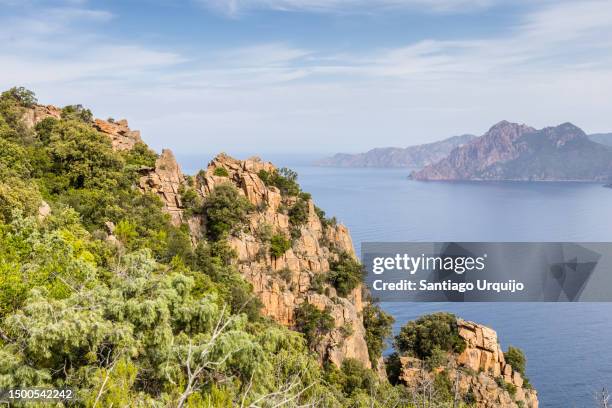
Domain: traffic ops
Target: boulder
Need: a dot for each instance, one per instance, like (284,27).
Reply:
(122,137)
(165,180)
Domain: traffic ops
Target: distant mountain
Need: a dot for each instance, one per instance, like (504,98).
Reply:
(412,157)
(509,151)
(603,138)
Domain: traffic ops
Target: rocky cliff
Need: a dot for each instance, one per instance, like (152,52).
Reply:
(510,151)
(293,278)
(281,283)
(411,157)
(480,373)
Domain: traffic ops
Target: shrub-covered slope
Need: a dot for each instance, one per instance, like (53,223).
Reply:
(136,285)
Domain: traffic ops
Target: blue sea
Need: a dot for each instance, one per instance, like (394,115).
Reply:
(567,344)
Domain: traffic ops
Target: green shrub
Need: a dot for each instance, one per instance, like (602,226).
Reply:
(394,368)
(284,179)
(285,274)
(356,377)
(326,222)
(77,112)
(443,386)
(510,388)
(17,195)
(22,96)
(226,211)
(318,282)
(298,213)
(437,359)
(191,201)
(378,327)
(279,245)
(125,231)
(221,172)
(345,274)
(140,156)
(313,323)
(516,358)
(421,337)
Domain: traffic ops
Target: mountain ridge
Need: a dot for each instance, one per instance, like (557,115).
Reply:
(517,152)
(416,156)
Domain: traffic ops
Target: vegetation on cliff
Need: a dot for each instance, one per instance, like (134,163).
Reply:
(102,291)
(131,312)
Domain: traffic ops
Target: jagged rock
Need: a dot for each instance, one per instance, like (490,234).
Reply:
(110,227)
(166,180)
(43,210)
(122,138)
(36,113)
(280,293)
(308,256)
(478,370)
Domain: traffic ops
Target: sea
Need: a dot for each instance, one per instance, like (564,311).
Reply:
(568,345)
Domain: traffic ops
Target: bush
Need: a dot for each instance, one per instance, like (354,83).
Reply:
(298,213)
(140,156)
(125,231)
(345,274)
(437,359)
(191,201)
(279,245)
(421,337)
(355,376)
(221,172)
(285,274)
(226,211)
(443,386)
(326,222)
(77,112)
(378,326)
(284,179)
(510,388)
(313,323)
(318,282)
(22,96)
(516,358)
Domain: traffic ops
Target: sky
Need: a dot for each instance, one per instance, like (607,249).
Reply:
(314,76)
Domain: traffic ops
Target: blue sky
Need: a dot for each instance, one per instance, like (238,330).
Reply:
(314,76)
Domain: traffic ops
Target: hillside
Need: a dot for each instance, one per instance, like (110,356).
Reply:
(137,285)
(411,157)
(509,151)
(603,138)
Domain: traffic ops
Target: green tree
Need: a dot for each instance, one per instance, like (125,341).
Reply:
(226,211)
(279,245)
(298,213)
(77,112)
(378,326)
(430,332)
(314,323)
(346,273)
(21,95)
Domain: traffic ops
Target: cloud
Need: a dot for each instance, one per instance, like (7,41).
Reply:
(42,44)
(236,7)
(552,65)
